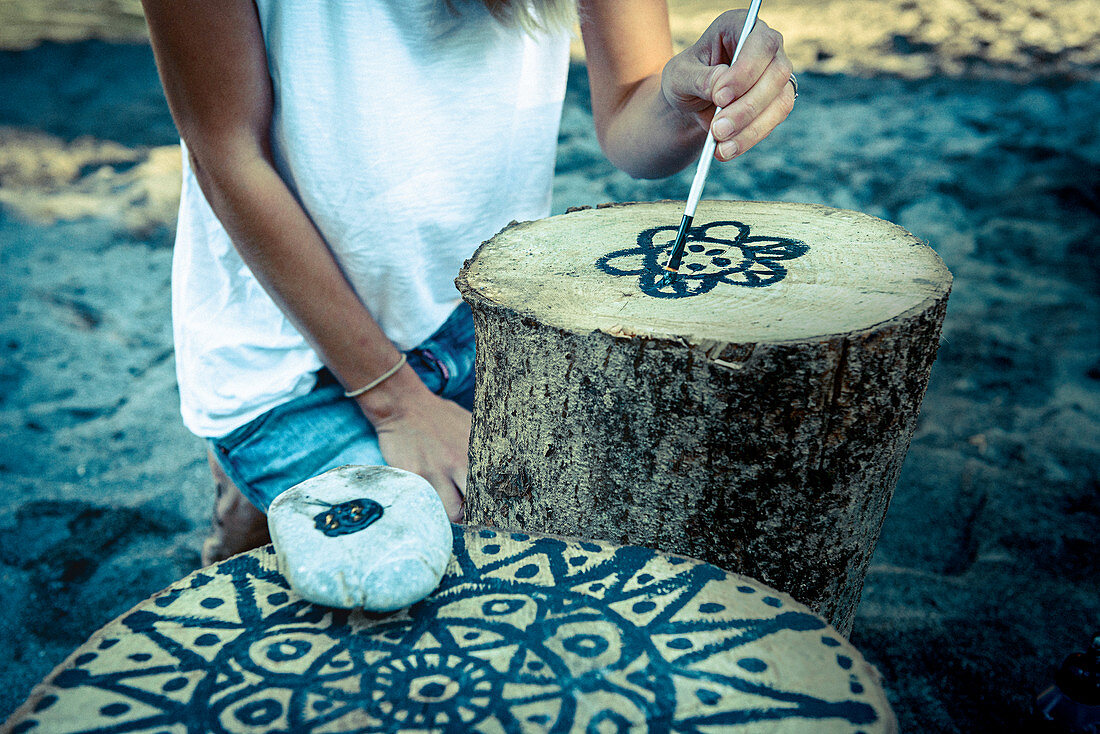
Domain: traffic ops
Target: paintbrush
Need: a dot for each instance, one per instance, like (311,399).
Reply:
(672,265)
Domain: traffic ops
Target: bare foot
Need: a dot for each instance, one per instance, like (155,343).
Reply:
(237,526)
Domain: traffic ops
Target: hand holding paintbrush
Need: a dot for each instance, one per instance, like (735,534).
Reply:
(672,265)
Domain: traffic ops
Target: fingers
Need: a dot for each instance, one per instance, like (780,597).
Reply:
(759,129)
(761,48)
(700,78)
(431,437)
(450,485)
(686,85)
(706,80)
(452,499)
(752,116)
(458,481)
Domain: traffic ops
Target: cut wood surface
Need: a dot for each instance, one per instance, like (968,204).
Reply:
(525,633)
(754,414)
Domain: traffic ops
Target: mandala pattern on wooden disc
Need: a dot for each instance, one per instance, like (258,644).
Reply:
(525,633)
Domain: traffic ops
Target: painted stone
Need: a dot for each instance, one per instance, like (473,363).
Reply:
(374,537)
(526,633)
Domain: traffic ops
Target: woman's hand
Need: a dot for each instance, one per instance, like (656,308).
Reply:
(755,94)
(419,431)
(652,109)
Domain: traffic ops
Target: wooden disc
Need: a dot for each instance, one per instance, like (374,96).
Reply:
(752,272)
(531,633)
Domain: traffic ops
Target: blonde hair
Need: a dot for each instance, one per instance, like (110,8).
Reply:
(533,15)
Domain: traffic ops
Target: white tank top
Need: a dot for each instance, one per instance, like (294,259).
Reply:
(410,137)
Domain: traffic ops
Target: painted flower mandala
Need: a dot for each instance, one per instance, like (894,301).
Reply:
(718,252)
(531,634)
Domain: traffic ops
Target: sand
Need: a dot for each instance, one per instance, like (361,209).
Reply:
(972,124)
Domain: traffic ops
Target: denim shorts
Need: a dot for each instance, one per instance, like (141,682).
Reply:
(322,429)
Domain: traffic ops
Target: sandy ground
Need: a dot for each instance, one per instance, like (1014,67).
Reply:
(973,124)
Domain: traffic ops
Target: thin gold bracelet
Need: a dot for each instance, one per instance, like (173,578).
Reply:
(382,378)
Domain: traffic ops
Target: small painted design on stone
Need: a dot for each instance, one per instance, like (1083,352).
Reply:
(718,252)
(348,517)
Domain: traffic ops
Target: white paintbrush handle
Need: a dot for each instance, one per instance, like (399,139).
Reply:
(707,155)
(701,172)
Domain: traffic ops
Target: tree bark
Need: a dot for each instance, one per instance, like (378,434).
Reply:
(759,424)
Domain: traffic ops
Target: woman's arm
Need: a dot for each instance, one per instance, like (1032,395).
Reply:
(213,66)
(653,109)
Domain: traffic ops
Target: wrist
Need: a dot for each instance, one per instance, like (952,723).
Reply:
(378,380)
(391,398)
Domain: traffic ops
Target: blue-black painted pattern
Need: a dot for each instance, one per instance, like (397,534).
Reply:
(716,252)
(348,517)
(282,662)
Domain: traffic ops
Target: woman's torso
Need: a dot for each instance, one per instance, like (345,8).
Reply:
(410,137)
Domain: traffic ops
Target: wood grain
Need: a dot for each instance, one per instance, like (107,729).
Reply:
(761,429)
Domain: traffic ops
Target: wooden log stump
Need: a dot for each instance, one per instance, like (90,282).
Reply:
(754,414)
